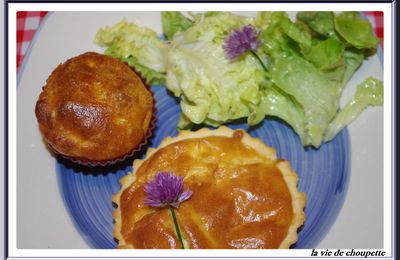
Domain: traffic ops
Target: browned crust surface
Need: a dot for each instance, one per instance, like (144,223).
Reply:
(298,199)
(94,108)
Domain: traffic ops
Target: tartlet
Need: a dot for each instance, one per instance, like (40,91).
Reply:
(95,110)
(243,195)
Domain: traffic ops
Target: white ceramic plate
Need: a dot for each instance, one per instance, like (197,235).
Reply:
(44,220)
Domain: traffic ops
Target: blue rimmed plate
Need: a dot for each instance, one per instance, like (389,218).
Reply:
(323,176)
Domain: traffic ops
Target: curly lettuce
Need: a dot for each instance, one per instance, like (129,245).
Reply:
(311,64)
(140,47)
(306,65)
(173,22)
(213,90)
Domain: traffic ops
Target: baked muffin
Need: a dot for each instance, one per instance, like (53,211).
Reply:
(243,196)
(95,110)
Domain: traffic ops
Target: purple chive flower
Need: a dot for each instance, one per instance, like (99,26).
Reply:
(166,190)
(240,41)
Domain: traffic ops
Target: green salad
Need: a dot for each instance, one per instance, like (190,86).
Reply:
(224,67)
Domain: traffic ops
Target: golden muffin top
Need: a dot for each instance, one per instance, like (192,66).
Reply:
(243,196)
(94,108)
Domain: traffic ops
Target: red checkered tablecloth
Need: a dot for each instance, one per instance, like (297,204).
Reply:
(28,23)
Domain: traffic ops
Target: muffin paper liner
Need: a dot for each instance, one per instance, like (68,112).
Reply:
(144,142)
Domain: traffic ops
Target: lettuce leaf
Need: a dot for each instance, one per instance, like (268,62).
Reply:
(326,54)
(263,19)
(369,93)
(297,33)
(353,58)
(320,22)
(138,46)
(276,42)
(355,30)
(212,89)
(151,76)
(173,22)
(317,96)
(275,102)
(313,76)
(309,62)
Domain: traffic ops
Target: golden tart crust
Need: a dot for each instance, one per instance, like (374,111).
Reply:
(94,109)
(243,196)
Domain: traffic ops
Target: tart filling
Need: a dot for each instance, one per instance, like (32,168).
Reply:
(243,196)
